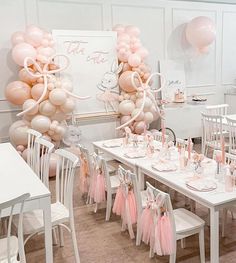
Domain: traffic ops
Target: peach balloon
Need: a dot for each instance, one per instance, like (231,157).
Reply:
(20,148)
(126,107)
(148,117)
(142,52)
(132,31)
(21,51)
(134,60)
(41,123)
(58,116)
(47,108)
(17,92)
(139,127)
(37,91)
(57,96)
(18,133)
(17,38)
(126,67)
(125,81)
(140,116)
(28,104)
(125,119)
(46,51)
(25,76)
(34,36)
(24,154)
(68,106)
(53,164)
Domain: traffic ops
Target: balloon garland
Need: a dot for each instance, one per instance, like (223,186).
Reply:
(45,98)
(137,107)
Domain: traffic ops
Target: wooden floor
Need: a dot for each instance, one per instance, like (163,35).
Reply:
(103,242)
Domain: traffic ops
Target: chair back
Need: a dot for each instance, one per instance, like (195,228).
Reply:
(8,251)
(158,136)
(32,135)
(42,154)
(65,173)
(180,143)
(229,158)
(220,109)
(160,203)
(105,171)
(85,154)
(232,135)
(212,130)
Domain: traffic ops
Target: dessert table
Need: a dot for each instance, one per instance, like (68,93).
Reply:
(17,178)
(176,180)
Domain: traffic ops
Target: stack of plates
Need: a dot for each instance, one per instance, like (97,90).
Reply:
(201,185)
(164,166)
(112,144)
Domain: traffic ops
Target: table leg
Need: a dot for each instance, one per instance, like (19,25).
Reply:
(214,235)
(48,229)
(140,179)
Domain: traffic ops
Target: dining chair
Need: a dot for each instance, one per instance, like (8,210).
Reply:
(212,132)
(41,155)
(62,209)
(32,135)
(158,136)
(181,143)
(231,123)
(229,159)
(220,109)
(11,246)
(183,223)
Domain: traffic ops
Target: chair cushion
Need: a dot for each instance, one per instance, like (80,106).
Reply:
(33,220)
(186,221)
(13,249)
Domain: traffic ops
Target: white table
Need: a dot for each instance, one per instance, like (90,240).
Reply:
(17,178)
(214,200)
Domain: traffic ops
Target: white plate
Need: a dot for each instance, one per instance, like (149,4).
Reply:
(201,185)
(112,144)
(164,166)
(133,155)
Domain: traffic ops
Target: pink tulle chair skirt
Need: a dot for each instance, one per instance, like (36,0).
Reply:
(119,202)
(83,178)
(99,189)
(146,225)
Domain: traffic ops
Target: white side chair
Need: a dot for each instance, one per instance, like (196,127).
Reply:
(212,132)
(112,184)
(181,143)
(62,210)
(41,156)
(11,246)
(184,224)
(232,135)
(220,109)
(158,136)
(230,158)
(32,135)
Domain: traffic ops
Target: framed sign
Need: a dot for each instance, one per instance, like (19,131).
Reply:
(93,66)
(175,90)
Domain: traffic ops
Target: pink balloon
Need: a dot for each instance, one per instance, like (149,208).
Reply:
(17,92)
(20,148)
(25,76)
(37,91)
(21,51)
(134,60)
(132,30)
(24,154)
(200,32)
(142,52)
(125,119)
(125,82)
(34,36)
(118,28)
(46,51)
(139,127)
(17,38)
(124,37)
(122,56)
(53,164)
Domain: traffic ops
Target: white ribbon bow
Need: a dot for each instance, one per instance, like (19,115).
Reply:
(147,91)
(46,74)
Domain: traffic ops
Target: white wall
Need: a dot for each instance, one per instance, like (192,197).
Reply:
(162,24)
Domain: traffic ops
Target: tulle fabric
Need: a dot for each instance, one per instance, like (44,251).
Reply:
(99,189)
(119,203)
(84,176)
(167,238)
(107,96)
(146,225)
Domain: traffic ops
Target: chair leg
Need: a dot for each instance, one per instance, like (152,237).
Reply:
(54,236)
(202,245)
(224,220)
(138,235)
(232,214)
(73,235)
(61,236)
(172,258)
(151,253)
(183,243)
(108,208)
(192,206)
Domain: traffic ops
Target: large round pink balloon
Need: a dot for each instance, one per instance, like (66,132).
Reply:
(125,81)
(57,96)
(25,76)
(200,32)
(17,92)
(28,104)
(139,127)
(34,35)
(18,133)
(37,91)
(17,38)
(41,123)
(21,51)
(53,164)
(47,108)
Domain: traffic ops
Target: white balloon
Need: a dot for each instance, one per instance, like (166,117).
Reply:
(126,107)
(18,132)
(41,123)
(147,105)
(68,106)
(47,108)
(148,117)
(140,116)
(29,103)
(57,96)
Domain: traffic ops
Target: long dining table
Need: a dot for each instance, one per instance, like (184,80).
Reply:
(176,180)
(17,178)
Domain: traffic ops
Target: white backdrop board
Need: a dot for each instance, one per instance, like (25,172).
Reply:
(91,54)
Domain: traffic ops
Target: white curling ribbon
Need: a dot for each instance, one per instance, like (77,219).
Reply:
(147,91)
(46,74)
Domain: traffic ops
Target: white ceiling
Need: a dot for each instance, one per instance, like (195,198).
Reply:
(213,1)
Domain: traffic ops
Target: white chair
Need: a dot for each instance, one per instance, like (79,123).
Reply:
(11,246)
(62,209)
(158,136)
(220,109)
(184,224)
(229,158)
(232,135)
(41,159)
(181,143)
(32,135)
(212,132)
